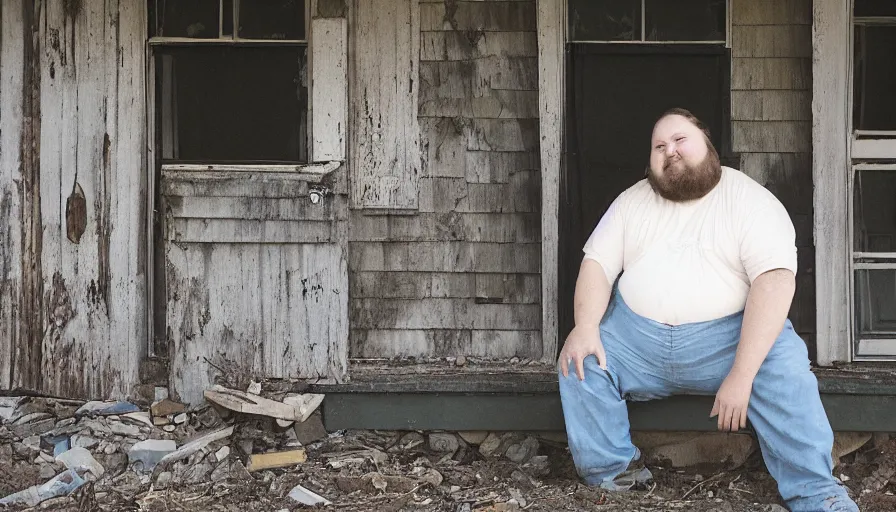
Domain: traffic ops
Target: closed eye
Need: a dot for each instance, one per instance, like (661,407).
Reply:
(660,147)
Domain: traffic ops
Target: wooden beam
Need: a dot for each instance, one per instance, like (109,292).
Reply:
(830,166)
(551,38)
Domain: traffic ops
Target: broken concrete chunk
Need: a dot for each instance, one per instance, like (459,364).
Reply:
(310,430)
(82,441)
(139,417)
(124,429)
(306,497)
(149,453)
(80,460)
(222,453)
(271,460)
(35,428)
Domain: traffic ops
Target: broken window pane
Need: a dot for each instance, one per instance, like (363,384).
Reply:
(875,303)
(272,19)
(196,18)
(611,20)
(874,8)
(874,78)
(233,104)
(874,215)
(684,20)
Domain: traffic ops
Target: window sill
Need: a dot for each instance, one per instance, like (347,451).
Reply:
(313,172)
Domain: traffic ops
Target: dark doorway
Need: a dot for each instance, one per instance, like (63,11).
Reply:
(615,93)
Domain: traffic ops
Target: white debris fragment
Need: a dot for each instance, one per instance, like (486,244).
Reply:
(306,497)
(80,460)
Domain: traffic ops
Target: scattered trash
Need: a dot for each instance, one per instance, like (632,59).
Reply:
(62,484)
(299,408)
(150,452)
(197,444)
(306,497)
(80,460)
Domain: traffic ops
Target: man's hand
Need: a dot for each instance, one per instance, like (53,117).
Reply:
(732,401)
(583,341)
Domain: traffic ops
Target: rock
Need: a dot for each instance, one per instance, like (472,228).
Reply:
(460,361)
(124,429)
(443,442)
(715,448)
(432,477)
(848,442)
(538,465)
(65,423)
(180,419)
(411,440)
(495,446)
(254,388)
(141,417)
(35,428)
(47,471)
(164,480)
(197,473)
(489,445)
(310,430)
(32,442)
(169,428)
(149,453)
(6,451)
(474,437)
(82,441)
(97,426)
(23,451)
(110,449)
(115,463)
(222,453)
(522,452)
(79,459)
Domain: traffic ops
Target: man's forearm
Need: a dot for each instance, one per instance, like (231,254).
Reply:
(768,303)
(592,294)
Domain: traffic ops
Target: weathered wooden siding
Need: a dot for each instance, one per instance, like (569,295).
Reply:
(460,275)
(384,143)
(771,120)
(256,276)
(12,126)
(79,118)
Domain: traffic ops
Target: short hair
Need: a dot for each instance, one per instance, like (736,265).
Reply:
(687,115)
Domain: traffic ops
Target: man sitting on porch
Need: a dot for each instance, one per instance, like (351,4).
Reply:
(707,259)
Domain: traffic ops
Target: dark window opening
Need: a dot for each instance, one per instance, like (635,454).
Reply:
(237,104)
(272,19)
(874,211)
(874,77)
(615,93)
(864,8)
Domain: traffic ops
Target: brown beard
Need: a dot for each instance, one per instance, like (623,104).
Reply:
(688,182)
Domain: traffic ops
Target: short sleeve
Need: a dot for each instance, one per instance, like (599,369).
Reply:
(768,239)
(605,245)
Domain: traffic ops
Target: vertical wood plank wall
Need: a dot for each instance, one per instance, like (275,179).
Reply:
(460,275)
(82,170)
(771,121)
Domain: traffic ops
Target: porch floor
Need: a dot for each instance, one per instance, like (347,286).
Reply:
(390,396)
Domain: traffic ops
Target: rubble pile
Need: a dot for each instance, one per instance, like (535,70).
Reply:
(249,450)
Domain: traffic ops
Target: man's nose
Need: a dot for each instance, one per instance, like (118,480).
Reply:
(671,150)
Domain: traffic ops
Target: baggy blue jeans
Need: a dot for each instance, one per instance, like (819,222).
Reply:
(648,360)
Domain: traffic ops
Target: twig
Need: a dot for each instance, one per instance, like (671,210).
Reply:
(700,484)
(651,490)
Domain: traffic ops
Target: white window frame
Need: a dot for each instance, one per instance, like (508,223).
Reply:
(327,43)
(866,145)
(726,42)
(838,153)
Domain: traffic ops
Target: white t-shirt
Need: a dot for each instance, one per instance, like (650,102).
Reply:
(692,261)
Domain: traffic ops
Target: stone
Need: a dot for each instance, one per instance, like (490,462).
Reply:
(538,465)
(169,428)
(411,440)
(24,452)
(714,448)
(848,442)
(164,480)
(254,388)
(47,471)
(223,453)
(310,430)
(197,473)
(65,423)
(443,442)
(473,437)
(97,426)
(115,463)
(124,429)
(432,477)
(180,419)
(490,445)
(110,449)
(34,428)
(80,459)
(160,393)
(80,440)
(460,361)
(522,452)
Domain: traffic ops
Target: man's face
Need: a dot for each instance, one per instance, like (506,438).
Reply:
(683,165)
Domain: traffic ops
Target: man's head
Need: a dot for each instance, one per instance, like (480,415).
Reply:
(684,165)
